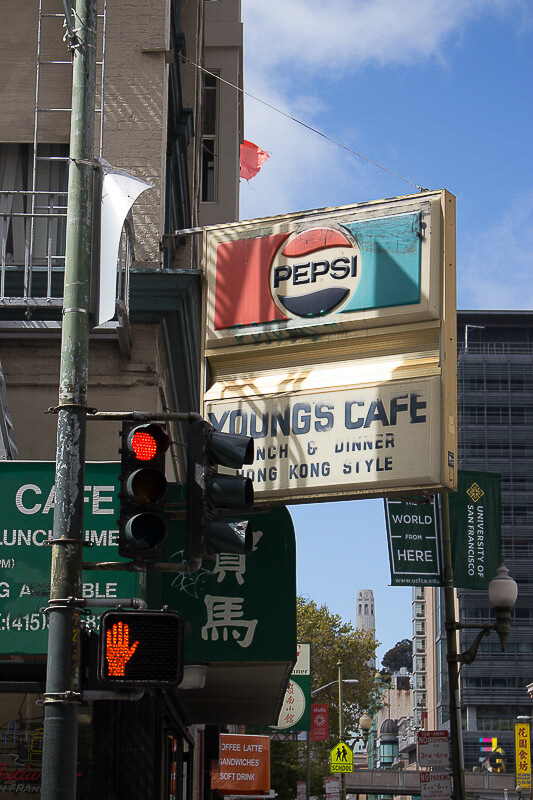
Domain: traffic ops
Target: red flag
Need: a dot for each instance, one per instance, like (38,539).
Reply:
(252,159)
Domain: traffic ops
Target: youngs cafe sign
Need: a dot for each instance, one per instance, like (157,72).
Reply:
(330,338)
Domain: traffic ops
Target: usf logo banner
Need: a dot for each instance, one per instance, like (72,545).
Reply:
(475,528)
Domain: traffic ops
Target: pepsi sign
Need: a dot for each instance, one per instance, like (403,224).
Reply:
(325,271)
(315,272)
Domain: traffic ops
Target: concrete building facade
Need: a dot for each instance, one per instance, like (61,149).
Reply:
(151,122)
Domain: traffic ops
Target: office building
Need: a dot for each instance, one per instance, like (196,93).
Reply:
(495,413)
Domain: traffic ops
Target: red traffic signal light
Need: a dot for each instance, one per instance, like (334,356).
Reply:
(146,442)
(142,528)
(141,648)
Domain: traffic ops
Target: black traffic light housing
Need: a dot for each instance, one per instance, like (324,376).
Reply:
(209,491)
(140,648)
(143,487)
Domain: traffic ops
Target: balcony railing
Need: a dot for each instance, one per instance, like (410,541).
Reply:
(32,253)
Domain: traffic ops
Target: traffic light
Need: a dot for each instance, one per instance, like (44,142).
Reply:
(141,648)
(142,528)
(209,491)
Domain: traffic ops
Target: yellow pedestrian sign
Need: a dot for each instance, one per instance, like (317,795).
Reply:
(341,758)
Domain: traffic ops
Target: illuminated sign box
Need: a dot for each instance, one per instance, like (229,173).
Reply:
(330,338)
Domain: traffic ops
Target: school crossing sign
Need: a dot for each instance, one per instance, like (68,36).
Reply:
(341,758)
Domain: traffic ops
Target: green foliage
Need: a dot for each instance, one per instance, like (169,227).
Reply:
(332,640)
(401,655)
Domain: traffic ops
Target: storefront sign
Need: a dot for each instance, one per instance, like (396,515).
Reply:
(414,543)
(330,338)
(234,605)
(27,520)
(475,528)
(522,740)
(243,766)
(341,442)
(295,712)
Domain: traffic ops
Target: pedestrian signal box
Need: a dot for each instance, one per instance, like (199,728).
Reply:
(141,648)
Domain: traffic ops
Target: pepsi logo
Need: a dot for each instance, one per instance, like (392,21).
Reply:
(315,272)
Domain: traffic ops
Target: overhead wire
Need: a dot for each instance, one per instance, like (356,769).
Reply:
(299,122)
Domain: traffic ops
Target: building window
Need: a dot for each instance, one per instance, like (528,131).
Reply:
(209,139)
(34,222)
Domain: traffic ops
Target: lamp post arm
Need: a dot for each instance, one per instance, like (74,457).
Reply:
(469,655)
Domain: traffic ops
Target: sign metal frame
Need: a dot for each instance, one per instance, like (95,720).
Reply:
(322,394)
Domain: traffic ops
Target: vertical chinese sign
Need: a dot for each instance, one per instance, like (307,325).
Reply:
(522,741)
(296,709)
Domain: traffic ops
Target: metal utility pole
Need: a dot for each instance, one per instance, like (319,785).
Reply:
(456,732)
(62,680)
(341,726)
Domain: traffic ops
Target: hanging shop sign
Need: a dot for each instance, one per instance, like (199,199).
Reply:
(414,543)
(475,529)
(243,766)
(27,519)
(295,711)
(522,740)
(330,338)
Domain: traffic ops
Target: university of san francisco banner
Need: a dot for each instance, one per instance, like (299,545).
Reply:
(475,529)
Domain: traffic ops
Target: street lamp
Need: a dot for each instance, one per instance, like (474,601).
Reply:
(502,595)
(365,723)
(503,592)
(340,680)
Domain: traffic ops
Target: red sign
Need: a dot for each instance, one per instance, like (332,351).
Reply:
(319,722)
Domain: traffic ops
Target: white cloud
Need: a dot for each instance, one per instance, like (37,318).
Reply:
(305,170)
(495,266)
(341,35)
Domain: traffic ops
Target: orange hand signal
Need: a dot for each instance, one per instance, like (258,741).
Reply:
(118,650)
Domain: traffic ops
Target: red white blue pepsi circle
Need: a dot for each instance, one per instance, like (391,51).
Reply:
(315,272)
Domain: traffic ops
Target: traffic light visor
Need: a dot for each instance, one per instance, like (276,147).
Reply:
(231,537)
(146,486)
(148,441)
(231,449)
(231,491)
(145,531)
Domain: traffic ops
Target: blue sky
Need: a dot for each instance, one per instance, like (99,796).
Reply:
(438,92)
